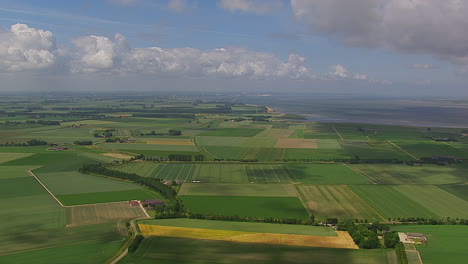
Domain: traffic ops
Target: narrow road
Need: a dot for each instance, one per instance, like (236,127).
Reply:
(395,145)
(51,194)
(338,133)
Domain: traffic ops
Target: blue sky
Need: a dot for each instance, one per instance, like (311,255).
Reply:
(364,45)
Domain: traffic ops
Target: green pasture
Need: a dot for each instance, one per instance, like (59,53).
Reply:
(5,157)
(96,157)
(154,147)
(52,161)
(377,150)
(231,173)
(389,202)
(84,244)
(258,142)
(460,190)
(227,189)
(166,250)
(61,135)
(7,172)
(244,226)
(30,213)
(144,169)
(429,149)
(339,201)
(234,132)
(106,197)
(315,154)
(73,182)
(18,187)
(404,174)
(324,174)
(446,243)
(261,207)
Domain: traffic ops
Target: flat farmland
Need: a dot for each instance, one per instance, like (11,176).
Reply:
(254,206)
(72,182)
(166,250)
(139,146)
(106,197)
(296,143)
(229,173)
(8,172)
(404,174)
(234,132)
(442,203)
(343,240)
(244,226)
(275,133)
(339,201)
(446,243)
(324,174)
(377,150)
(176,172)
(5,157)
(90,243)
(227,189)
(390,202)
(315,154)
(98,213)
(144,169)
(460,190)
(96,157)
(237,141)
(267,173)
(429,149)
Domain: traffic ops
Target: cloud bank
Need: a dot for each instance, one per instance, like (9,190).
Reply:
(432,27)
(260,7)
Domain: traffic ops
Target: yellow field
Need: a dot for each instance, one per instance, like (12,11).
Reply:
(296,143)
(117,156)
(343,240)
(171,142)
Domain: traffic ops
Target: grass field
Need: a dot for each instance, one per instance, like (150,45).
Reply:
(335,201)
(166,250)
(460,190)
(244,226)
(446,243)
(390,202)
(343,240)
(72,182)
(234,132)
(98,213)
(5,157)
(324,174)
(429,149)
(227,189)
(106,197)
(262,207)
(154,147)
(261,142)
(144,169)
(7,172)
(177,172)
(85,244)
(404,174)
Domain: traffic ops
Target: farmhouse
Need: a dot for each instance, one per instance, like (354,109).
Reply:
(153,202)
(134,203)
(412,238)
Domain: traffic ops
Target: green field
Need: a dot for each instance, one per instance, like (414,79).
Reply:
(460,190)
(265,142)
(227,189)
(7,172)
(234,132)
(166,250)
(324,174)
(106,197)
(429,149)
(153,147)
(85,244)
(144,169)
(446,243)
(413,201)
(404,174)
(5,157)
(339,201)
(244,226)
(72,182)
(261,207)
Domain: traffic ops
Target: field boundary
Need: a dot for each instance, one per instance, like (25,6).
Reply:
(51,194)
(400,148)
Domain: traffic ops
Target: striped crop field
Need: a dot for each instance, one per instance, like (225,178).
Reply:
(343,240)
(340,201)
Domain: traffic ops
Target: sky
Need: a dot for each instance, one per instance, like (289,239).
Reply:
(355,47)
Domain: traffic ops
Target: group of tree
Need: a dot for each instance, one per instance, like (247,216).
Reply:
(136,241)
(173,206)
(362,235)
(185,157)
(83,143)
(32,142)
(236,218)
(171,132)
(237,160)
(430,221)
(104,133)
(401,253)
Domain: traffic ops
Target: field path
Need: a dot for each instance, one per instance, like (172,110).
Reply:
(395,145)
(338,133)
(51,194)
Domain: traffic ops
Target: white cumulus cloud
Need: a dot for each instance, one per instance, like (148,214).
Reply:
(25,48)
